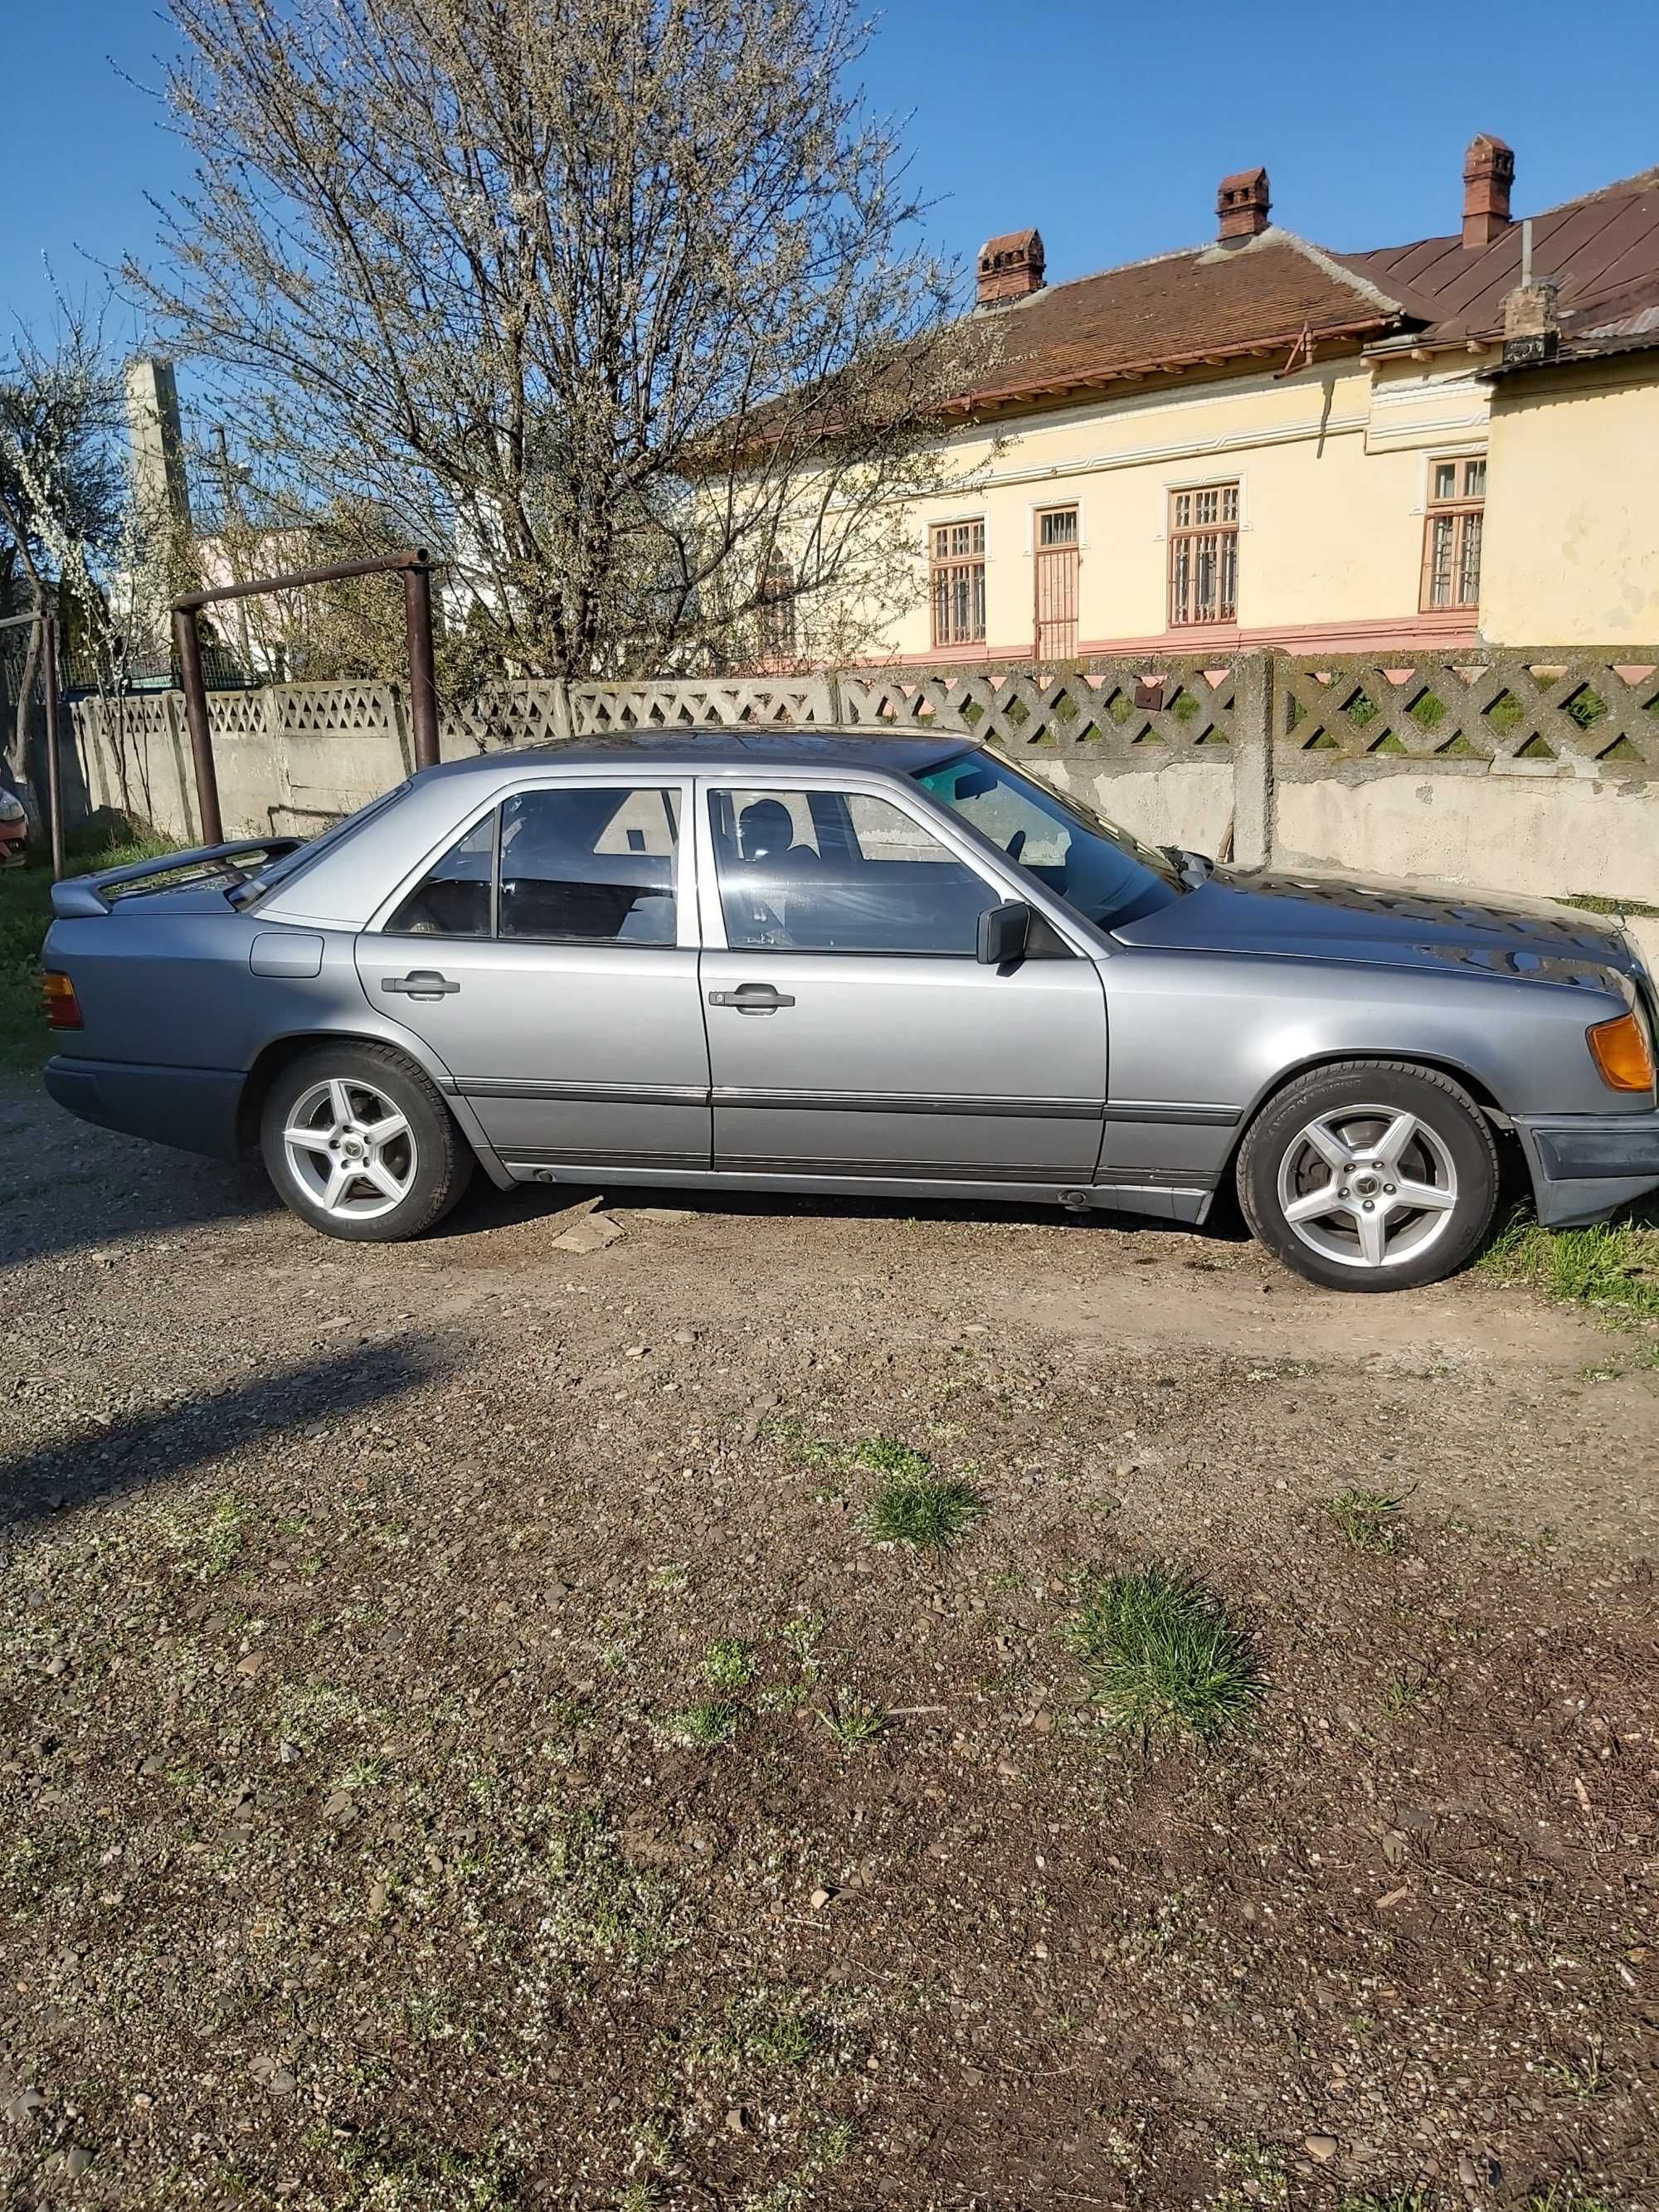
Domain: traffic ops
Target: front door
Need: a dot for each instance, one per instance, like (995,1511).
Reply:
(1055,557)
(548,961)
(851,1030)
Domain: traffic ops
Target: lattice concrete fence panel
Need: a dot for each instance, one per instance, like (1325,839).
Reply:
(1536,771)
(1585,717)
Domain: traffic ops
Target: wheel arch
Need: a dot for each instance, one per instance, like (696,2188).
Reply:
(1440,1063)
(280,1052)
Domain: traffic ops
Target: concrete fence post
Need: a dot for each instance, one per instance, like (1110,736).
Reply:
(832,699)
(561,722)
(1253,760)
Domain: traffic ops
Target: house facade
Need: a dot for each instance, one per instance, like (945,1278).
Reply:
(1262,442)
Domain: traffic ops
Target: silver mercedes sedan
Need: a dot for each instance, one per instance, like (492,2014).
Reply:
(844,964)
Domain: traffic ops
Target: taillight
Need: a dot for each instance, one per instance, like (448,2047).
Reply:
(63,1007)
(1619,1048)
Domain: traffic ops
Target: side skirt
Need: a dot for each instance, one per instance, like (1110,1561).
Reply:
(1184,1203)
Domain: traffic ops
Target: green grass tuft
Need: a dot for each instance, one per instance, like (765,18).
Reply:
(729,1663)
(913,1505)
(1613,1265)
(1162,1656)
(1369,1519)
(854,1723)
(704,1727)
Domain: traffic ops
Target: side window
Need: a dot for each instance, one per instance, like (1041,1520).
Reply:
(452,898)
(832,871)
(582,867)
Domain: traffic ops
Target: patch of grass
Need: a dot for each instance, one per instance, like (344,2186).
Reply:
(729,1663)
(1567,2196)
(1418,2198)
(854,1724)
(1597,903)
(915,1506)
(1161,1658)
(801,1635)
(207,1546)
(1369,1519)
(704,1727)
(1406,1692)
(391,2170)
(25,917)
(600,1907)
(1613,1265)
(773,2032)
(1263,2171)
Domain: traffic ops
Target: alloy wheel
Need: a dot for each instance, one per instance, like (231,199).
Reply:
(349,1148)
(1368,1186)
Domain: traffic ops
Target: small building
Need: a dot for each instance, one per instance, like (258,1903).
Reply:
(1262,441)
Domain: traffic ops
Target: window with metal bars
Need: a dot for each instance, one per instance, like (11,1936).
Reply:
(776,594)
(1204,553)
(956,581)
(1452,530)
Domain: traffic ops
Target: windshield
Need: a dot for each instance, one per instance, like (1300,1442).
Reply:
(279,871)
(1100,870)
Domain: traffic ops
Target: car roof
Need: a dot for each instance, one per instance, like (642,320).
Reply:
(696,750)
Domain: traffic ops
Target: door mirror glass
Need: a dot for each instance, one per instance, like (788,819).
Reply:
(1003,931)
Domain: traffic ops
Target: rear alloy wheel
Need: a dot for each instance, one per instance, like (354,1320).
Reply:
(360,1145)
(1370,1175)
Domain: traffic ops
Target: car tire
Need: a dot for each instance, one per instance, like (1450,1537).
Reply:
(1329,1167)
(359,1144)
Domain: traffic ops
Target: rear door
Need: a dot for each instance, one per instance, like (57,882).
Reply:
(852,1031)
(549,957)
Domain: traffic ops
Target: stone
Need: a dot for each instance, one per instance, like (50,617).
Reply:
(591,1234)
(1322,2148)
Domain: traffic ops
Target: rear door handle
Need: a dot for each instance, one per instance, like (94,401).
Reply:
(751,998)
(422,983)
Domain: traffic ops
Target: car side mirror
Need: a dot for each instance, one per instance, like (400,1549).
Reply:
(1002,933)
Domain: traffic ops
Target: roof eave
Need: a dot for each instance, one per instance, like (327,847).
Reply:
(1081,385)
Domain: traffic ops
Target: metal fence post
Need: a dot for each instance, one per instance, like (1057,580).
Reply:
(1253,760)
(422,673)
(54,764)
(189,644)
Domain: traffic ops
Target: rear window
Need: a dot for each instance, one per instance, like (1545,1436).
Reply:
(292,864)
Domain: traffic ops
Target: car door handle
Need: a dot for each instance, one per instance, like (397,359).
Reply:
(422,983)
(751,998)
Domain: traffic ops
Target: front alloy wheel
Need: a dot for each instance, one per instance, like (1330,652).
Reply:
(1370,1175)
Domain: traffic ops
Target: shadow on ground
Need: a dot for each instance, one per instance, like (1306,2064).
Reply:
(98,1462)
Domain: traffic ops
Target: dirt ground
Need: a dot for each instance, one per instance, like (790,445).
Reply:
(366,1839)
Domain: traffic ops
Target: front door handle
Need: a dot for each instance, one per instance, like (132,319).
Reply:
(422,983)
(751,998)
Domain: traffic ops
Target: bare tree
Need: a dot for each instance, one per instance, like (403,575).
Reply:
(621,305)
(63,492)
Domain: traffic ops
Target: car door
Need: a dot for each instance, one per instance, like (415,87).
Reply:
(547,955)
(852,1030)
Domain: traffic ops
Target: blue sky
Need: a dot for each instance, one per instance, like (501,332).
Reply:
(1108,126)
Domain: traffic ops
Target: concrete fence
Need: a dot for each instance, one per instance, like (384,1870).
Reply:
(1527,771)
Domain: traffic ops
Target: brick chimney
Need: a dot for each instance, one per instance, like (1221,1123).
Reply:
(1488,175)
(1010,267)
(1243,204)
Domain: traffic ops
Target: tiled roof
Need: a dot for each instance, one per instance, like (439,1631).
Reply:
(1212,302)
(1217,303)
(1602,250)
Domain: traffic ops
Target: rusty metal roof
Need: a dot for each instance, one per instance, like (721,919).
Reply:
(1602,250)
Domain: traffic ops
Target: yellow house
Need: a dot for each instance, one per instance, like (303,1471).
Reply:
(1259,442)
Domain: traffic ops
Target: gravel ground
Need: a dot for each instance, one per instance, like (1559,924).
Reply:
(379,1829)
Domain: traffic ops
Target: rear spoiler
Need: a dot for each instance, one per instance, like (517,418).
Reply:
(79,896)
